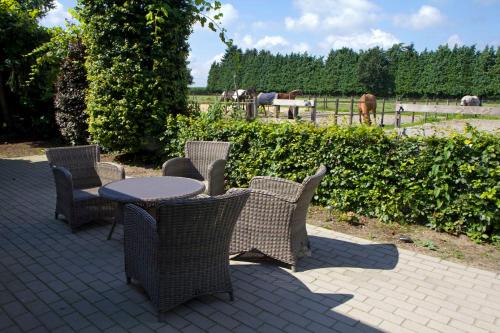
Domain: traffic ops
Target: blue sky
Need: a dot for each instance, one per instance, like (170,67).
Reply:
(317,26)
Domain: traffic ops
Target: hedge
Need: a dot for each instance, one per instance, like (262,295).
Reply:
(450,184)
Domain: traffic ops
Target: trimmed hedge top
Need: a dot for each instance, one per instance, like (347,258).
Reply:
(450,184)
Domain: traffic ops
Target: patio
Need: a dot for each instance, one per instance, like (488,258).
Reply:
(52,280)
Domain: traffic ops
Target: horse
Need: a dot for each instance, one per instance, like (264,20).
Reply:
(226,96)
(470,101)
(290,95)
(264,99)
(238,95)
(367,103)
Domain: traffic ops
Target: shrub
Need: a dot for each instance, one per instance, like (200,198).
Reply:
(137,68)
(450,184)
(70,96)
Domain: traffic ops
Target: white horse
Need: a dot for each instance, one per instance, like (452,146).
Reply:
(239,94)
(470,101)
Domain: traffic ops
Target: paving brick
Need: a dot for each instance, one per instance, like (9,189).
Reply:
(272,320)
(27,321)
(51,320)
(101,321)
(14,309)
(417,327)
(466,327)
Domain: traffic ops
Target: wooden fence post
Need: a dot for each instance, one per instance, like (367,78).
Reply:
(383,112)
(336,116)
(277,111)
(351,110)
(413,114)
(313,112)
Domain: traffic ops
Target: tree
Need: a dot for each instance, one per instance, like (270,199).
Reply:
(373,71)
(341,74)
(24,109)
(137,68)
(484,74)
(70,96)
(407,72)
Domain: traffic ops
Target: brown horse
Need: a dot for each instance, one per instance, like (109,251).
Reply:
(289,95)
(367,103)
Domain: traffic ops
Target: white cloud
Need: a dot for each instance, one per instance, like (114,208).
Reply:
(200,68)
(269,42)
(365,40)
(427,16)
(300,47)
(217,58)
(454,40)
(229,14)
(56,16)
(345,15)
(307,21)
(247,42)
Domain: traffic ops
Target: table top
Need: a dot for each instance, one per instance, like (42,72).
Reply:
(150,189)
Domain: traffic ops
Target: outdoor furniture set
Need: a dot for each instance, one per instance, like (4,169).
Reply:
(177,241)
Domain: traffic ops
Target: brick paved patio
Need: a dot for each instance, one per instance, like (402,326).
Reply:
(52,280)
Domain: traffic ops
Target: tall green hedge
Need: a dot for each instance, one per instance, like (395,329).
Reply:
(137,68)
(450,184)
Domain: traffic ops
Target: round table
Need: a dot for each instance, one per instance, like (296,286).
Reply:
(149,190)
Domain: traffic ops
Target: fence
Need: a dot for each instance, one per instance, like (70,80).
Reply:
(436,109)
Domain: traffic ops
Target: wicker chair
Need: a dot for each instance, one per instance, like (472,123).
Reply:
(183,253)
(273,221)
(78,174)
(204,161)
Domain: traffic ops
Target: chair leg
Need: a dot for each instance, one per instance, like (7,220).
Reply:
(231,296)
(129,280)
(112,229)
(293,268)
(56,215)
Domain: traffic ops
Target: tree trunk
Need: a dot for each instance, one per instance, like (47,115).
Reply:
(3,106)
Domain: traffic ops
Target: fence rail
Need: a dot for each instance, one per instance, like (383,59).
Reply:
(479,110)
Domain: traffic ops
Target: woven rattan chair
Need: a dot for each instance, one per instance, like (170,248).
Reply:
(78,174)
(183,253)
(204,161)
(273,221)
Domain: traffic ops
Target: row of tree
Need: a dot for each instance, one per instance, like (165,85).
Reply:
(399,71)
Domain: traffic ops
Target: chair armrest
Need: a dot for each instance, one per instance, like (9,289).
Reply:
(109,172)
(139,229)
(279,186)
(178,167)
(216,177)
(264,195)
(64,184)
(135,215)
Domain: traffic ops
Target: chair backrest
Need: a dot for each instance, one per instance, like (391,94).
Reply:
(80,161)
(310,184)
(203,153)
(198,231)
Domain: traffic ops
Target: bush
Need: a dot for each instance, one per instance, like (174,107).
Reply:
(450,184)
(137,68)
(70,96)
(26,110)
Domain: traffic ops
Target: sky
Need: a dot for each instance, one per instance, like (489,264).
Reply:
(317,26)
